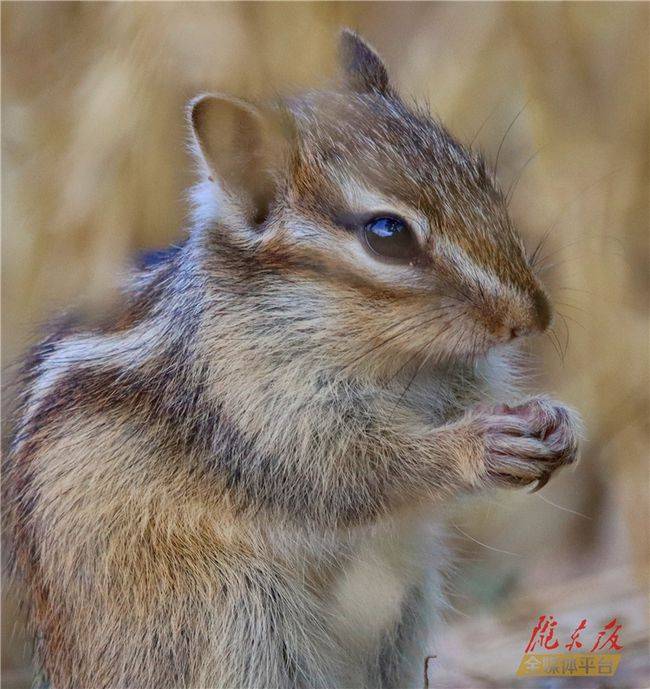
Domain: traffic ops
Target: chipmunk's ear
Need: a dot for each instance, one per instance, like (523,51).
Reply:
(242,149)
(363,68)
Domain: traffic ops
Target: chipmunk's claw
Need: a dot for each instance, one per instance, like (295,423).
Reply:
(541,482)
(526,444)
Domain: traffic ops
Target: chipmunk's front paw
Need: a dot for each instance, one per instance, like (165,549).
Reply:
(528,442)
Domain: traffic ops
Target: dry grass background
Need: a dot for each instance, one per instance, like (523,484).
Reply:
(94,168)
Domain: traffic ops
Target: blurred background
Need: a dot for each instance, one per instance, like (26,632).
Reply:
(94,168)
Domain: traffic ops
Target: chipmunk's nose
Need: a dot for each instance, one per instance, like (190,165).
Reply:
(536,319)
(543,313)
(543,310)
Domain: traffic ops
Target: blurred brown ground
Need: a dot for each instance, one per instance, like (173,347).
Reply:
(94,167)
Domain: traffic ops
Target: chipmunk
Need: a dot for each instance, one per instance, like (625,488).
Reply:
(234,481)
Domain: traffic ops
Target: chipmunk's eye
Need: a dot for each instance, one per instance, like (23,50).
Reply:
(390,237)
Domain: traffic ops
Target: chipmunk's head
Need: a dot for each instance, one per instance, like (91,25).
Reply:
(371,204)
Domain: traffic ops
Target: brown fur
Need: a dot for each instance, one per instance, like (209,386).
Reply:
(202,492)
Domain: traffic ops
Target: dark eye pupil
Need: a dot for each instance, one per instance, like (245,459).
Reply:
(391,238)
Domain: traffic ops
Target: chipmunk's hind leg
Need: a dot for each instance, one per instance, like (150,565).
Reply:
(269,638)
(403,648)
